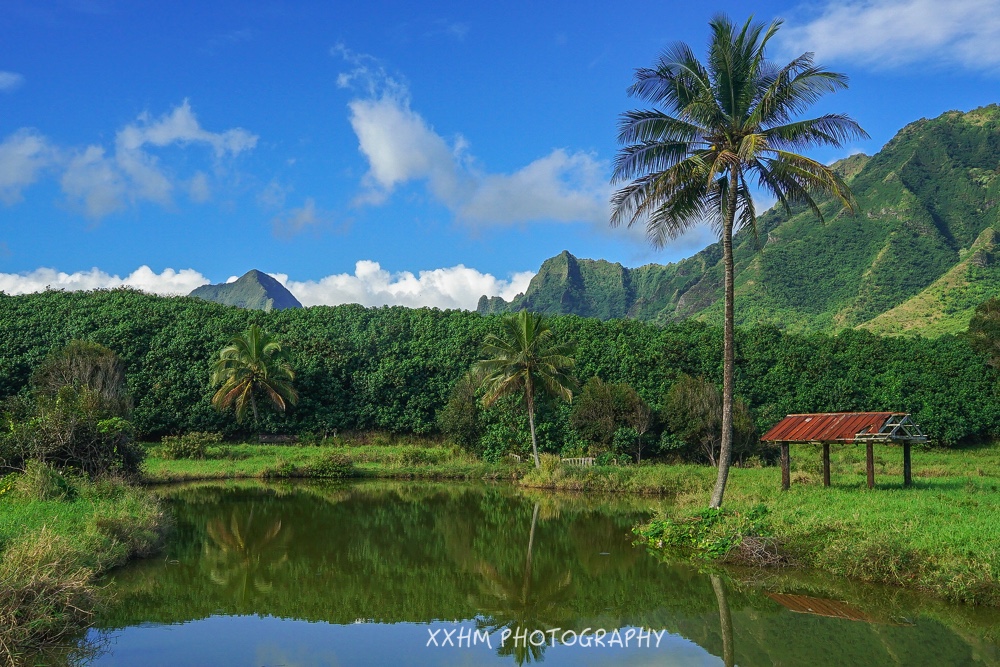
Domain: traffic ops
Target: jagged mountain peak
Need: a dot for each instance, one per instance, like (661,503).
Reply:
(923,202)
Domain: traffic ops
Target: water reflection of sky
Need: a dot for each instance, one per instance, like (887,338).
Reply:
(223,641)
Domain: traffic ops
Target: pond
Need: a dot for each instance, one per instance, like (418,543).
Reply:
(411,573)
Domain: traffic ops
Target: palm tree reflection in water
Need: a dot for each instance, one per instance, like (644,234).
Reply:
(523,602)
(245,553)
(725,620)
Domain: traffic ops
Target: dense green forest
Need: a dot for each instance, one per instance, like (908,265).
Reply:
(394,369)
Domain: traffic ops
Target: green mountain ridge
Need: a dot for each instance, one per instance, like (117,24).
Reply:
(253,290)
(916,258)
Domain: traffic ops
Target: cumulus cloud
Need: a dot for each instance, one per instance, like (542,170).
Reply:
(180,126)
(23,156)
(889,33)
(100,181)
(93,183)
(10,81)
(400,147)
(371,285)
(168,282)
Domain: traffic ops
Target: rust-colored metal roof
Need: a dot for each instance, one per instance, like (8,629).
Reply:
(805,604)
(827,427)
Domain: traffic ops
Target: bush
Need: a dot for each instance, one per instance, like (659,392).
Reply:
(192,445)
(69,430)
(549,462)
(332,466)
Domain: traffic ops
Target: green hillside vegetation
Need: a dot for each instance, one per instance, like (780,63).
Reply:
(929,203)
(394,369)
(254,290)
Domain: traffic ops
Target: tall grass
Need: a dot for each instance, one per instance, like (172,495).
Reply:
(57,533)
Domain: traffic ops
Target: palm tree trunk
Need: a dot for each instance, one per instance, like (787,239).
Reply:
(534,438)
(253,404)
(728,349)
(529,395)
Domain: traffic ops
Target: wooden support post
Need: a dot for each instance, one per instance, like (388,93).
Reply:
(871,465)
(786,475)
(826,464)
(907,470)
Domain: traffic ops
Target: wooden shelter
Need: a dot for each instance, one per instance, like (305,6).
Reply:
(846,428)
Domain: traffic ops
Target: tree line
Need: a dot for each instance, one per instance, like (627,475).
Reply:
(397,369)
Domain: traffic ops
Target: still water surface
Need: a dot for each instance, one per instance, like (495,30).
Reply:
(408,573)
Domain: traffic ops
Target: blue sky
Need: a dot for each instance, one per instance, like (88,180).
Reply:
(385,152)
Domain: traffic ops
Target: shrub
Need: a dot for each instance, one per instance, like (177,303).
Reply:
(69,430)
(461,417)
(549,462)
(332,466)
(192,445)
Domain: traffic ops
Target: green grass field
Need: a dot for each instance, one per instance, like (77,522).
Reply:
(942,534)
(403,459)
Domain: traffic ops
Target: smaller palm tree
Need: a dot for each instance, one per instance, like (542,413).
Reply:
(252,362)
(525,358)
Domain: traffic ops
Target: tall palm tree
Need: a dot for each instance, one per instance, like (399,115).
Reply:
(252,362)
(716,128)
(526,358)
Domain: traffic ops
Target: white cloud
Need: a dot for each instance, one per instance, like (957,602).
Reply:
(168,282)
(560,186)
(10,81)
(180,126)
(93,183)
(889,33)
(371,285)
(400,147)
(23,155)
(101,183)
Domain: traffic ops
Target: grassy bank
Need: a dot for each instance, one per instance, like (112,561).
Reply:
(400,458)
(941,535)
(57,534)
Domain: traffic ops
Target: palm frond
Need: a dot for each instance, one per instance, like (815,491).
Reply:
(253,361)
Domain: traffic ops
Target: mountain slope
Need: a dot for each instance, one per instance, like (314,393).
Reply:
(254,290)
(924,200)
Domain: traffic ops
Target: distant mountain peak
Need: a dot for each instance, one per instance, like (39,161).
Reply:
(254,290)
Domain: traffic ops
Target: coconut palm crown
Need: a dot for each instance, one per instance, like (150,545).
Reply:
(525,358)
(718,130)
(252,362)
